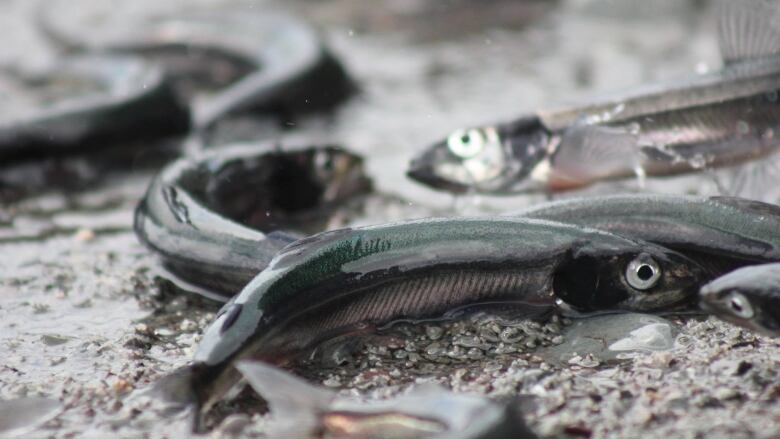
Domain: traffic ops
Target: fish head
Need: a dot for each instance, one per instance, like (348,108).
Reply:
(489,159)
(748,304)
(641,277)
(340,172)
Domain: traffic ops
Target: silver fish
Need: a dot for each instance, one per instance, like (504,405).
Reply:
(302,410)
(748,297)
(216,219)
(351,281)
(265,61)
(82,103)
(721,118)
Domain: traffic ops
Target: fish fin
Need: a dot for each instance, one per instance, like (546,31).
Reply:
(751,205)
(171,397)
(589,153)
(748,29)
(286,394)
(753,179)
(174,388)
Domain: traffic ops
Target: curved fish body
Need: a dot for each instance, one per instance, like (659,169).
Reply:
(342,281)
(748,297)
(271,62)
(299,409)
(721,118)
(88,101)
(217,219)
(720,233)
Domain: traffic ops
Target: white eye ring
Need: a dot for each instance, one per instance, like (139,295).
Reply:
(466,143)
(740,306)
(643,272)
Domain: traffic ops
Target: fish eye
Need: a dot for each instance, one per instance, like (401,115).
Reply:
(643,272)
(466,143)
(740,306)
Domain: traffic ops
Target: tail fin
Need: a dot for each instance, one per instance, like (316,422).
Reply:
(172,395)
(294,403)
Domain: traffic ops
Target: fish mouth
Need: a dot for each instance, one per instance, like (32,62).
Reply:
(422,170)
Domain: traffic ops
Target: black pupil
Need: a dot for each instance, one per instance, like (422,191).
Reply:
(736,305)
(645,272)
(465,138)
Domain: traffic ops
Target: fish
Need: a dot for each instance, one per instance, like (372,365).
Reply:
(76,104)
(218,217)
(720,233)
(748,297)
(348,281)
(259,62)
(722,118)
(302,410)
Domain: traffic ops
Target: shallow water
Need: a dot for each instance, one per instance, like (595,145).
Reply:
(84,320)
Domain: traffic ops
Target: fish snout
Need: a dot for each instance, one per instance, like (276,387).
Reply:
(424,168)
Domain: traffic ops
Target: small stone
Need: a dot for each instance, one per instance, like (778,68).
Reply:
(332,381)
(122,386)
(54,339)
(475,353)
(40,308)
(434,332)
(84,235)
(435,349)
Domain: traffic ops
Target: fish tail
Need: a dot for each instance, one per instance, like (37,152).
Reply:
(288,396)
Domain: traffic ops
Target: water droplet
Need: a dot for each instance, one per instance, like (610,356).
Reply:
(697,162)
(769,134)
(772,96)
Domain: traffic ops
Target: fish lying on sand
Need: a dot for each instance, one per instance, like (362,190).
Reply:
(721,118)
(263,61)
(748,297)
(720,233)
(350,281)
(84,103)
(299,409)
(216,219)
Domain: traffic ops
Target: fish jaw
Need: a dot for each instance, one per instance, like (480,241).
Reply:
(425,169)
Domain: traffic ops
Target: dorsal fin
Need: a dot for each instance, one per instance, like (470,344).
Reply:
(748,29)
(757,207)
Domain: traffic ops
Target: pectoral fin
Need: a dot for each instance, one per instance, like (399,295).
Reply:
(748,29)
(590,153)
(295,405)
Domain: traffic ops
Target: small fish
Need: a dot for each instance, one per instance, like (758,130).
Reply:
(265,61)
(748,297)
(302,410)
(720,233)
(216,219)
(353,280)
(82,103)
(722,118)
